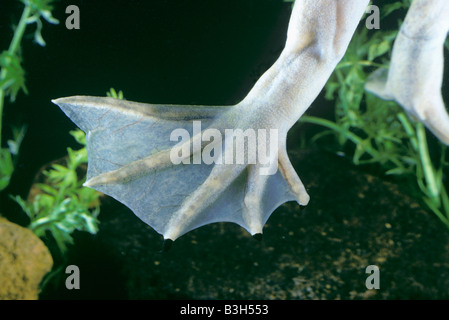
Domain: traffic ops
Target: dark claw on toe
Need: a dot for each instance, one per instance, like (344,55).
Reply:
(166,245)
(258,236)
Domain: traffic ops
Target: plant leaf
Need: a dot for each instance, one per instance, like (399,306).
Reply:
(6,168)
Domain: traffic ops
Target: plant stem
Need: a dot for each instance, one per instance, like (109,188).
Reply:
(333,126)
(434,193)
(18,33)
(445,201)
(409,130)
(365,63)
(428,170)
(2,98)
(13,47)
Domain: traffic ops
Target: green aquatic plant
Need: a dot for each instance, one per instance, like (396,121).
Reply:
(9,155)
(373,131)
(12,75)
(62,205)
(114,94)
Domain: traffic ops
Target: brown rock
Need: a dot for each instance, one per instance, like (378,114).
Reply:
(24,260)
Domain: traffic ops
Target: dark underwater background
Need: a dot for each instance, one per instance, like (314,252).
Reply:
(211,53)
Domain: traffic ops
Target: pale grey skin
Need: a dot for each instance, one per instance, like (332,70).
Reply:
(415,76)
(129,147)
